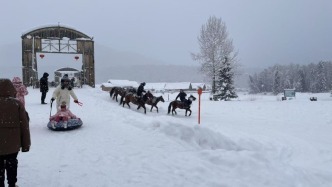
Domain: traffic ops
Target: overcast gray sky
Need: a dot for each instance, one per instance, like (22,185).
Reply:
(265,32)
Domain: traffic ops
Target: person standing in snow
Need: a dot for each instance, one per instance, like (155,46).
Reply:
(63,92)
(43,84)
(20,89)
(14,132)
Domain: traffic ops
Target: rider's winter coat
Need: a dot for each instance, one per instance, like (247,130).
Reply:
(14,124)
(62,94)
(182,96)
(20,89)
(140,90)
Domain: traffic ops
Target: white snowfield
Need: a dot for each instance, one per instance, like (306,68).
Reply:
(253,141)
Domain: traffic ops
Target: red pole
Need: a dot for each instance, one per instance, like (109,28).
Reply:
(199,91)
(199,109)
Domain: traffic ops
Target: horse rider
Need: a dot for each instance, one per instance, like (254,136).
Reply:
(182,95)
(140,90)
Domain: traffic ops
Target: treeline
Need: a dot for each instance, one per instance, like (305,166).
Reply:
(313,78)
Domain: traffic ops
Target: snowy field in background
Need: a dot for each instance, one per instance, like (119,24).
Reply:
(253,141)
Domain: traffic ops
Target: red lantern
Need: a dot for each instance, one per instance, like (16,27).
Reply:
(77,57)
(41,55)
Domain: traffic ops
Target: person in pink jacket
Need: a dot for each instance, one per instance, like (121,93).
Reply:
(64,114)
(20,89)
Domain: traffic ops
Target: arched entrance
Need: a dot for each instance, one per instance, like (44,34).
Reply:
(57,39)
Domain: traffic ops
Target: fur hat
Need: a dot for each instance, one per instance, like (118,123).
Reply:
(17,80)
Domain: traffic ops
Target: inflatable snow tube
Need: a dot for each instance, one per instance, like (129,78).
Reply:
(62,126)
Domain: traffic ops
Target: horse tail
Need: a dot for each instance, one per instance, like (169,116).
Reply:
(112,92)
(169,107)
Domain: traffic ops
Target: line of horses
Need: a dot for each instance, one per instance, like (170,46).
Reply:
(128,95)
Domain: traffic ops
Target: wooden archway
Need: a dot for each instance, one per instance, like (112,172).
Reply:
(32,44)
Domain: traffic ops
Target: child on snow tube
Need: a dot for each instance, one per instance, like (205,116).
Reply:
(64,114)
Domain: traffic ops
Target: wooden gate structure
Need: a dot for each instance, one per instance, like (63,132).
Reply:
(41,40)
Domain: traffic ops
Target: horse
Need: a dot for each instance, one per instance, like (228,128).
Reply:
(127,90)
(135,100)
(179,104)
(154,101)
(115,91)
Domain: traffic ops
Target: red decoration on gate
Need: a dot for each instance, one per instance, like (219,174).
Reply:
(77,57)
(41,55)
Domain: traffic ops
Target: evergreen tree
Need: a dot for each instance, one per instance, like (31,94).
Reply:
(301,84)
(321,82)
(277,82)
(225,82)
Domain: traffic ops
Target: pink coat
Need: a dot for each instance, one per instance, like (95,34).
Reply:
(65,114)
(20,89)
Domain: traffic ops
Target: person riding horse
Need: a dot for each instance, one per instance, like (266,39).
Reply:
(140,90)
(182,95)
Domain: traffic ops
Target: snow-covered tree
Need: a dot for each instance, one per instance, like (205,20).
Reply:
(215,46)
(225,82)
(321,82)
(277,82)
(254,84)
(301,85)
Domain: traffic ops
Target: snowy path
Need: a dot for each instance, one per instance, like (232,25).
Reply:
(237,143)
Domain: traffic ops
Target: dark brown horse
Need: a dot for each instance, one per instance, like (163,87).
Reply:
(154,101)
(179,104)
(117,91)
(140,102)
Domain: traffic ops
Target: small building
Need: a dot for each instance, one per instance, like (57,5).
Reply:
(71,72)
(289,94)
(118,83)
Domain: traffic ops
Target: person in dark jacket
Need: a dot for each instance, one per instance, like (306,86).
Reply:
(182,95)
(140,90)
(14,132)
(43,83)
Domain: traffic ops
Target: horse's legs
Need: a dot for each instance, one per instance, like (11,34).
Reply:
(151,108)
(190,112)
(157,108)
(138,107)
(173,111)
(144,109)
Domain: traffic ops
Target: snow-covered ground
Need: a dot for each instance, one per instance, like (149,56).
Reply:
(253,141)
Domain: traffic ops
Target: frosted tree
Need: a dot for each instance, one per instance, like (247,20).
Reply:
(225,83)
(301,85)
(321,82)
(215,46)
(254,84)
(277,82)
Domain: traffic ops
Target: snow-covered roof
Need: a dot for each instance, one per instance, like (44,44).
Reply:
(196,85)
(155,86)
(67,69)
(177,85)
(121,83)
(58,25)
